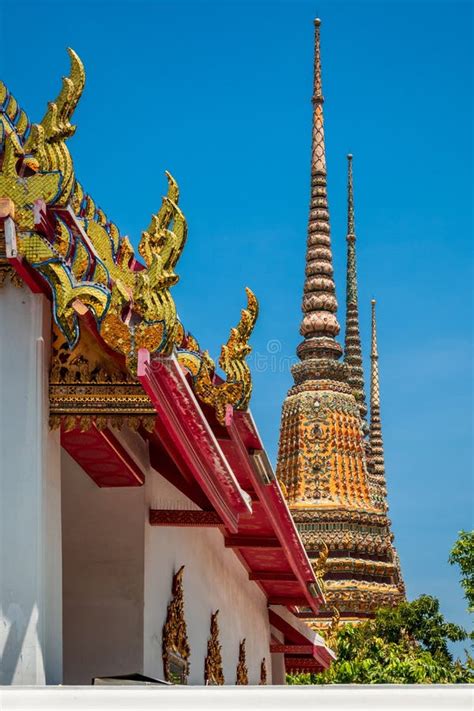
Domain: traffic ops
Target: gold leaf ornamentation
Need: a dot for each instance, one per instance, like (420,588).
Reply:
(213,673)
(242,676)
(237,388)
(176,650)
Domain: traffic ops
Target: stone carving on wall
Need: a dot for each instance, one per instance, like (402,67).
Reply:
(176,651)
(263,672)
(213,674)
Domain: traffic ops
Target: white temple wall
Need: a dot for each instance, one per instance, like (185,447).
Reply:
(278,660)
(213,579)
(103,543)
(30,497)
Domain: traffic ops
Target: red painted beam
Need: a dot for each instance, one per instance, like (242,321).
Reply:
(287,600)
(291,648)
(184,518)
(305,664)
(272,576)
(251,542)
(102,457)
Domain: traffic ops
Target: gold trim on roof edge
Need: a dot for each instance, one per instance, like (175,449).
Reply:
(67,239)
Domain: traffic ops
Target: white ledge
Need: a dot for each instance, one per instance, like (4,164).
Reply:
(234,698)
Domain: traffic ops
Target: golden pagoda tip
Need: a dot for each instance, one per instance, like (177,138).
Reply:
(349,156)
(317,21)
(373,302)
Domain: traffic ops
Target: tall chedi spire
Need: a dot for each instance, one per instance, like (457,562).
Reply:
(376,440)
(319,325)
(322,458)
(352,347)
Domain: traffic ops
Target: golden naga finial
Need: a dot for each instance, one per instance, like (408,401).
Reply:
(39,165)
(57,127)
(143,298)
(237,389)
(156,236)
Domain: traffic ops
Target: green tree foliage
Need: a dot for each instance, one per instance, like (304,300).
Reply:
(462,554)
(407,644)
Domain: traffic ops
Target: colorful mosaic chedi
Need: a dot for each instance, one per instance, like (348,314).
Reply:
(65,240)
(333,473)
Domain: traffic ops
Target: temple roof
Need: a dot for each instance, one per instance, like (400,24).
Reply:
(64,244)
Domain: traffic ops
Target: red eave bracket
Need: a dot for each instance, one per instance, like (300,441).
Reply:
(315,656)
(276,511)
(190,435)
(102,457)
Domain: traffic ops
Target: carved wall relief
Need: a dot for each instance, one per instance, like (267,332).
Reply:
(176,649)
(242,677)
(213,674)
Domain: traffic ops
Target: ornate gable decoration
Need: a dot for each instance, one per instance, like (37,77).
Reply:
(213,674)
(242,677)
(66,241)
(176,650)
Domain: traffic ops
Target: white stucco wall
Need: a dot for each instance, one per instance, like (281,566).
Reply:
(213,579)
(103,543)
(30,497)
(117,581)
(278,660)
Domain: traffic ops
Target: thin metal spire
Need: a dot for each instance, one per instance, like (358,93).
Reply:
(352,346)
(319,325)
(376,439)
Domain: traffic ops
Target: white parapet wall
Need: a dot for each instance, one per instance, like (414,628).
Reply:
(264,698)
(30,497)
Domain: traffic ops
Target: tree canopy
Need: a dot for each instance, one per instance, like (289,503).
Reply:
(462,554)
(406,644)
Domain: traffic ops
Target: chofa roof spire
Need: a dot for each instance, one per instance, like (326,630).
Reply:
(319,325)
(376,440)
(352,346)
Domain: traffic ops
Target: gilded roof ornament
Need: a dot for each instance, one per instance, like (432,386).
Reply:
(237,388)
(90,267)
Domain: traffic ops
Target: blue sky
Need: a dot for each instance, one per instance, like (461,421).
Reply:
(219,94)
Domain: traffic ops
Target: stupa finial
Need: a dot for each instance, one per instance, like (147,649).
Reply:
(350,197)
(352,346)
(319,325)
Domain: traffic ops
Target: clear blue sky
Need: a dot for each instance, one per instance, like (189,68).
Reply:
(219,94)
